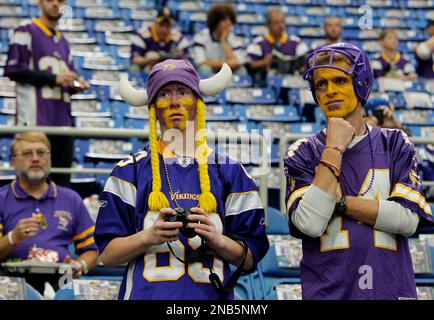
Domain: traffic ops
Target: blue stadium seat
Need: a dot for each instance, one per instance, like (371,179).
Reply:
(277,222)
(65,294)
(32,293)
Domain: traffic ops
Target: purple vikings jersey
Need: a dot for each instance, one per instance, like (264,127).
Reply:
(157,274)
(262,46)
(425,68)
(382,65)
(147,41)
(67,219)
(34,47)
(332,264)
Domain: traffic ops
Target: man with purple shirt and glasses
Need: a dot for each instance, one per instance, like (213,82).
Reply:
(40,220)
(39,61)
(354,192)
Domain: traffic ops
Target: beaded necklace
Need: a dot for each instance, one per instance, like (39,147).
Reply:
(372,167)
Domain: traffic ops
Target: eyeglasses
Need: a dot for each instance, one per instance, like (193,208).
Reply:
(40,153)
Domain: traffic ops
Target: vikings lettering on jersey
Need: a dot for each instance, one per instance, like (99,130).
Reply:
(157,274)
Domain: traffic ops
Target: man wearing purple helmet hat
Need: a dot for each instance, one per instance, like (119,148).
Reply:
(354,191)
(174,214)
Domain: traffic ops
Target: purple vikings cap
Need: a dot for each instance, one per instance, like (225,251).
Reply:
(172,71)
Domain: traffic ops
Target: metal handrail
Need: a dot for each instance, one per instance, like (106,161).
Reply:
(254,138)
(283,146)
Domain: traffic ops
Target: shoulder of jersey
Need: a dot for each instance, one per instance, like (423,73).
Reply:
(295,147)
(140,157)
(295,38)
(258,39)
(175,35)
(377,55)
(144,32)
(202,36)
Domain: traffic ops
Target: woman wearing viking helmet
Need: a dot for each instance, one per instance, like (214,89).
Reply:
(174,186)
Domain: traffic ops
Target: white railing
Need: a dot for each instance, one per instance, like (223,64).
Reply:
(254,139)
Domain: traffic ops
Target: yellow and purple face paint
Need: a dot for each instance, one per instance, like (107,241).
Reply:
(335,91)
(175,117)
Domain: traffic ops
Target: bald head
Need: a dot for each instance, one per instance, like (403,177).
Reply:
(333,28)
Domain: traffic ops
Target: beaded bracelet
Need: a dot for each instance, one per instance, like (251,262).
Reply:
(336,148)
(331,170)
(329,164)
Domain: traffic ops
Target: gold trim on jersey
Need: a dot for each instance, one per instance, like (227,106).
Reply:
(295,195)
(45,29)
(402,191)
(84,234)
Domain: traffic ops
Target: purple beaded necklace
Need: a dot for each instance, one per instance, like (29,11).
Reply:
(372,167)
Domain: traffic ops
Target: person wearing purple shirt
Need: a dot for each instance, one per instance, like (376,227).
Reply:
(179,171)
(390,62)
(152,45)
(425,54)
(34,211)
(40,63)
(353,191)
(276,52)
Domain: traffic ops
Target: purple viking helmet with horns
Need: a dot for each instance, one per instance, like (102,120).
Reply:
(174,71)
(360,68)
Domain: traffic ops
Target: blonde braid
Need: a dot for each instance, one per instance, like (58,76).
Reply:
(157,199)
(207,200)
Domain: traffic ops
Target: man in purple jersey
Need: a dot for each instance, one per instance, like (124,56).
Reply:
(390,62)
(160,42)
(36,215)
(425,54)
(179,171)
(39,61)
(354,191)
(276,52)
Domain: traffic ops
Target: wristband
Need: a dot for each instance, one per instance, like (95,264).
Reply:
(11,241)
(85,268)
(331,165)
(336,148)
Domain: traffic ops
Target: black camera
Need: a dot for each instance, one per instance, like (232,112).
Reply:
(181,216)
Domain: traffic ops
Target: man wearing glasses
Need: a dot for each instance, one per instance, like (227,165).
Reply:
(38,219)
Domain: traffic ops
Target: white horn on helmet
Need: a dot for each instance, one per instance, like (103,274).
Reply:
(135,98)
(217,83)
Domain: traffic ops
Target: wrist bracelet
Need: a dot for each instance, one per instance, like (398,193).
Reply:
(336,148)
(332,171)
(11,241)
(85,268)
(331,165)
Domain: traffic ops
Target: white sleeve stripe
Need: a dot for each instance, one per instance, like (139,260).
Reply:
(295,195)
(237,203)
(407,193)
(129,282)
(136,40)
(22,39)
(123,189)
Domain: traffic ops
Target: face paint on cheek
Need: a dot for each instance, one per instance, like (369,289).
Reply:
(186,102)
(163,103)
(337,92)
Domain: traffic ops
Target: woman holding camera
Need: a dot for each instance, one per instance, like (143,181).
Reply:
(176,185)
